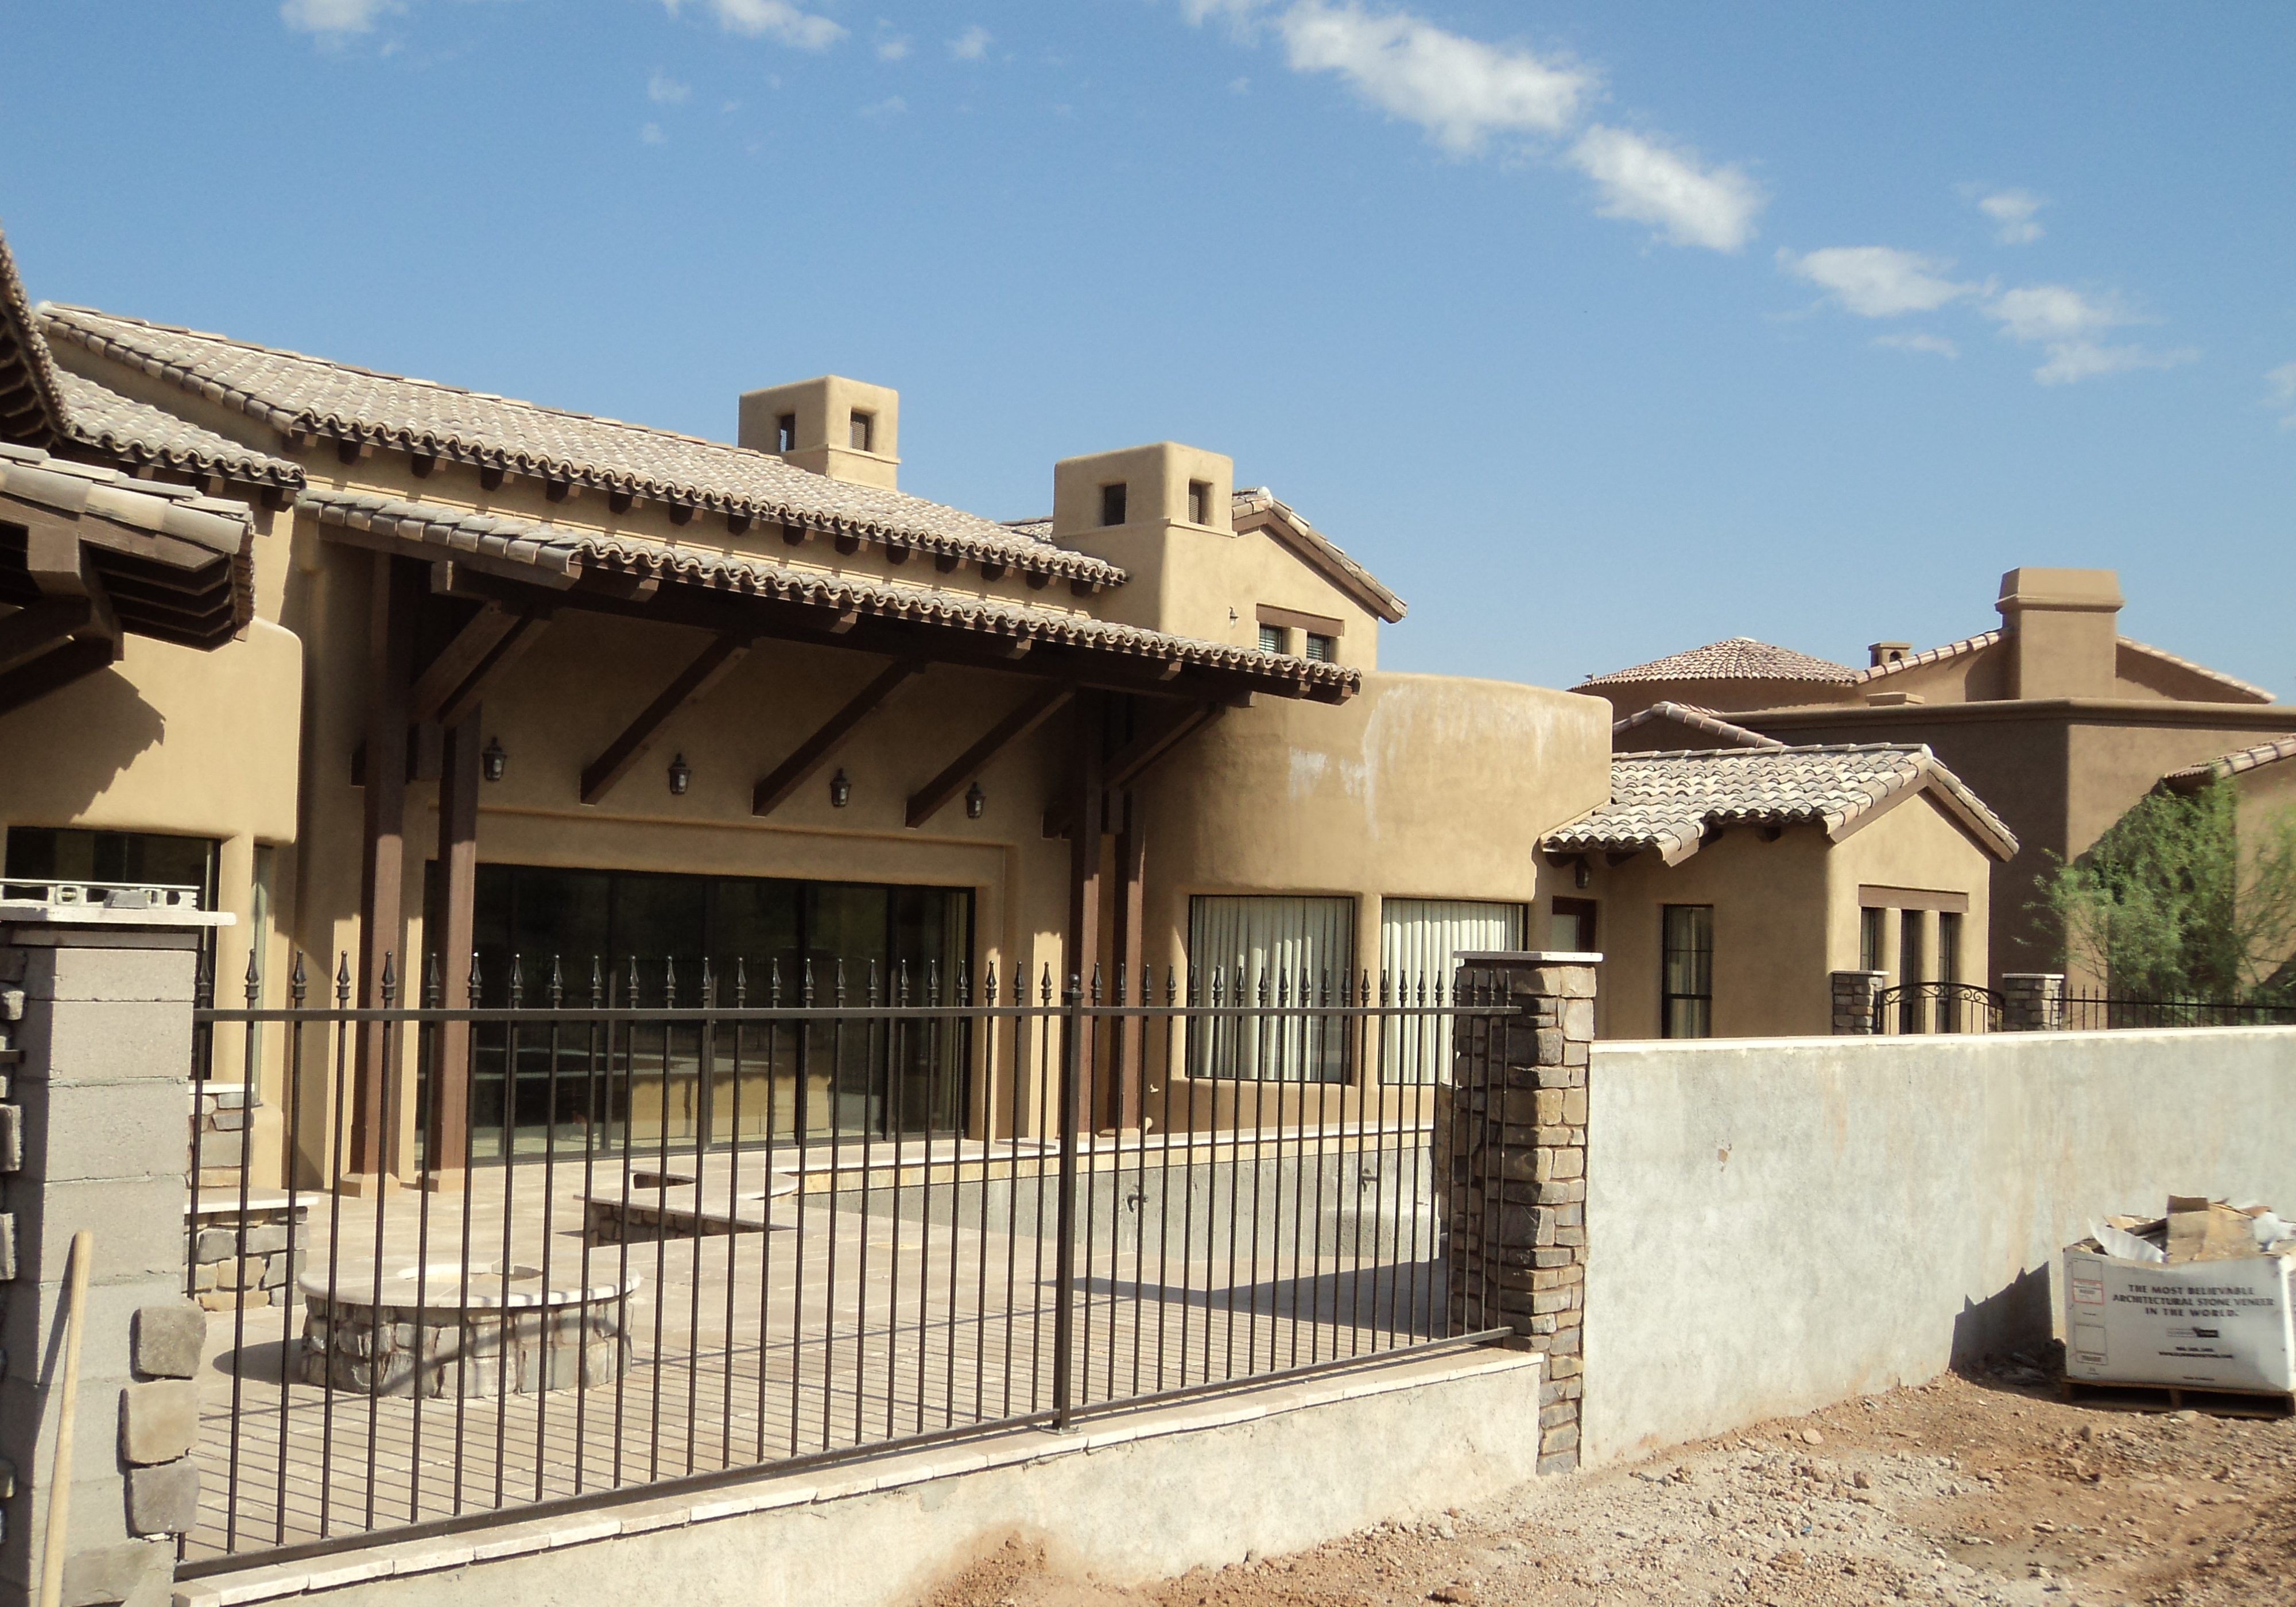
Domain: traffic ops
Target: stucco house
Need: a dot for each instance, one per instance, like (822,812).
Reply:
(1725,883)
(541,686)
(2058,721)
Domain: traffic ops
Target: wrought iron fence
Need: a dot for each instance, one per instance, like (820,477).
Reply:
(1918,1007)
(776,1225)
(2097,1011)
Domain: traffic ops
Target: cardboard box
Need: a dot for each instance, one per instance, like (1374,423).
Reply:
(2213,1324)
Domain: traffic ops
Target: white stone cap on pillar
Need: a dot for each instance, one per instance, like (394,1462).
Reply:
(25,912)
(1527,956)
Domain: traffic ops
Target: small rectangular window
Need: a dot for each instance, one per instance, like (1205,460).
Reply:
(1872,936)
(785,433)
(1322,649)
(1686,971)
(1572,928)
(1271,638)
(1200,503)
(1111,505)
(864,431)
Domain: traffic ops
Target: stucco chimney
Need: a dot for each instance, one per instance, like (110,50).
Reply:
(831,425)
(1165,513)
(2064,630)
(1879,653)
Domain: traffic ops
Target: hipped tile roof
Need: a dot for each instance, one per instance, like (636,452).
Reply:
(565,551)
(1697,719)
(300,395)
(2192,777)
(1739,659)
(1670,802)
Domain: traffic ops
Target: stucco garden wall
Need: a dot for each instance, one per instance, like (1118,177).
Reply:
(1781,1223)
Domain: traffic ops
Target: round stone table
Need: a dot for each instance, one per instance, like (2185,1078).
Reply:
(433,1331)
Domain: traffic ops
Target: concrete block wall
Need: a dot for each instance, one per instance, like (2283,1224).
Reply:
(101,1080)
(1516,1131)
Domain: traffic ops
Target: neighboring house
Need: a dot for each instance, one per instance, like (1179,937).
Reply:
(544,685)
(2055,719)
(1723,885)
(2263,780)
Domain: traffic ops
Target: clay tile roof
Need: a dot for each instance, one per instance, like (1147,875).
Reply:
(137,432)
(1696,719)
(2248,690)
(2192,777)
(1931,655)
(300,395)
(1669,801)
(31,412)
(567,552)
(1739,659)
(1249,502)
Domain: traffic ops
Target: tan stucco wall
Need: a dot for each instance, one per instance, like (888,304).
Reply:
(1785,915)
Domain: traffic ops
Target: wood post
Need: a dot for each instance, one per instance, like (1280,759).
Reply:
(1131,1040)
(1084,882)
(390,647)
(449,1138)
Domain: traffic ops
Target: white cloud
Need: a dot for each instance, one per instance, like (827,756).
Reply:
(2014,211)
(893,105)
(2280,393)
(1877,281)
(336,17)
(666,91)
(1460,90)
(1935,345)
(1238,85)
(651,134)
(893,49)
(2065,325)
(972,44)
(1655,183)
(769,19)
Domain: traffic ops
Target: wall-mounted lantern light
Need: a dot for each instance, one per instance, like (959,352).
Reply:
(492,760)
(840,791)
(681,776)
(1582,874)
(975,800)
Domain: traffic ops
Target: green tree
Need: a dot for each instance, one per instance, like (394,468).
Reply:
(2170,904)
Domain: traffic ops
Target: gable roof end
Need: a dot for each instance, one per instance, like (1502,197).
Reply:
(1696,719)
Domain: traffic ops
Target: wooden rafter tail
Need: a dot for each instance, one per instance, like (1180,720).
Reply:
(690,685)
(1034,712)
(821,746)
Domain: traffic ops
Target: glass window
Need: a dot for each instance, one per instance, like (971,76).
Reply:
(1572,928)
(1872,937)
(1419,940)
(1910,958)
(1292,950)
(1271,638)
(1322,649)
(1686,971)
(1111,505)
(645,937)
(1948,946)
(44,853)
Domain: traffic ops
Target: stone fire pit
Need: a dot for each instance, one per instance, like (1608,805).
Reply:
(428,1335)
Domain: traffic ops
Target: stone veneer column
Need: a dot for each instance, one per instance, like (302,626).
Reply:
(1517,1138)
(1854,993)
(2033,1000)
(98,1008)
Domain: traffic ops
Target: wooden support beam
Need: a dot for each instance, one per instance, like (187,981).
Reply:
(1129,1050)
(1137,757)
(821,746)
(394,594)
(457,894)
(935,794)
(40,627)
(459,676)
(77,660)
(710,666)
(1082,945)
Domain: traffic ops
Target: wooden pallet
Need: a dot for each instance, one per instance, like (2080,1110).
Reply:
(2177,1397)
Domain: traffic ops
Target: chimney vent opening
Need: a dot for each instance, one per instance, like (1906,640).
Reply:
(1111,505)
(785,433)
(864,431)
(1881,653)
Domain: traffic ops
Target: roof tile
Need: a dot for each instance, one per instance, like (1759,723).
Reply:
(1739,659)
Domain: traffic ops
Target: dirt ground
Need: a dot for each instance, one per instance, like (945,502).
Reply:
(1971,1489)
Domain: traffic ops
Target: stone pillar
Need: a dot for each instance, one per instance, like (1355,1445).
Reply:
(1516,1253)
(2033,1000)
(1854,993)
(98,1063)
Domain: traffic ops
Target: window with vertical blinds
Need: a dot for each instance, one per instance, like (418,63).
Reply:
(1419,940)
(1686,971)
(1294,947)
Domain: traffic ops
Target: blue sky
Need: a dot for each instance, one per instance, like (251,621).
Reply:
(1597,331)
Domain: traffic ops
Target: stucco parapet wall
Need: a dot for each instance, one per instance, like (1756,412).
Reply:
(555,555)
(820,1486)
